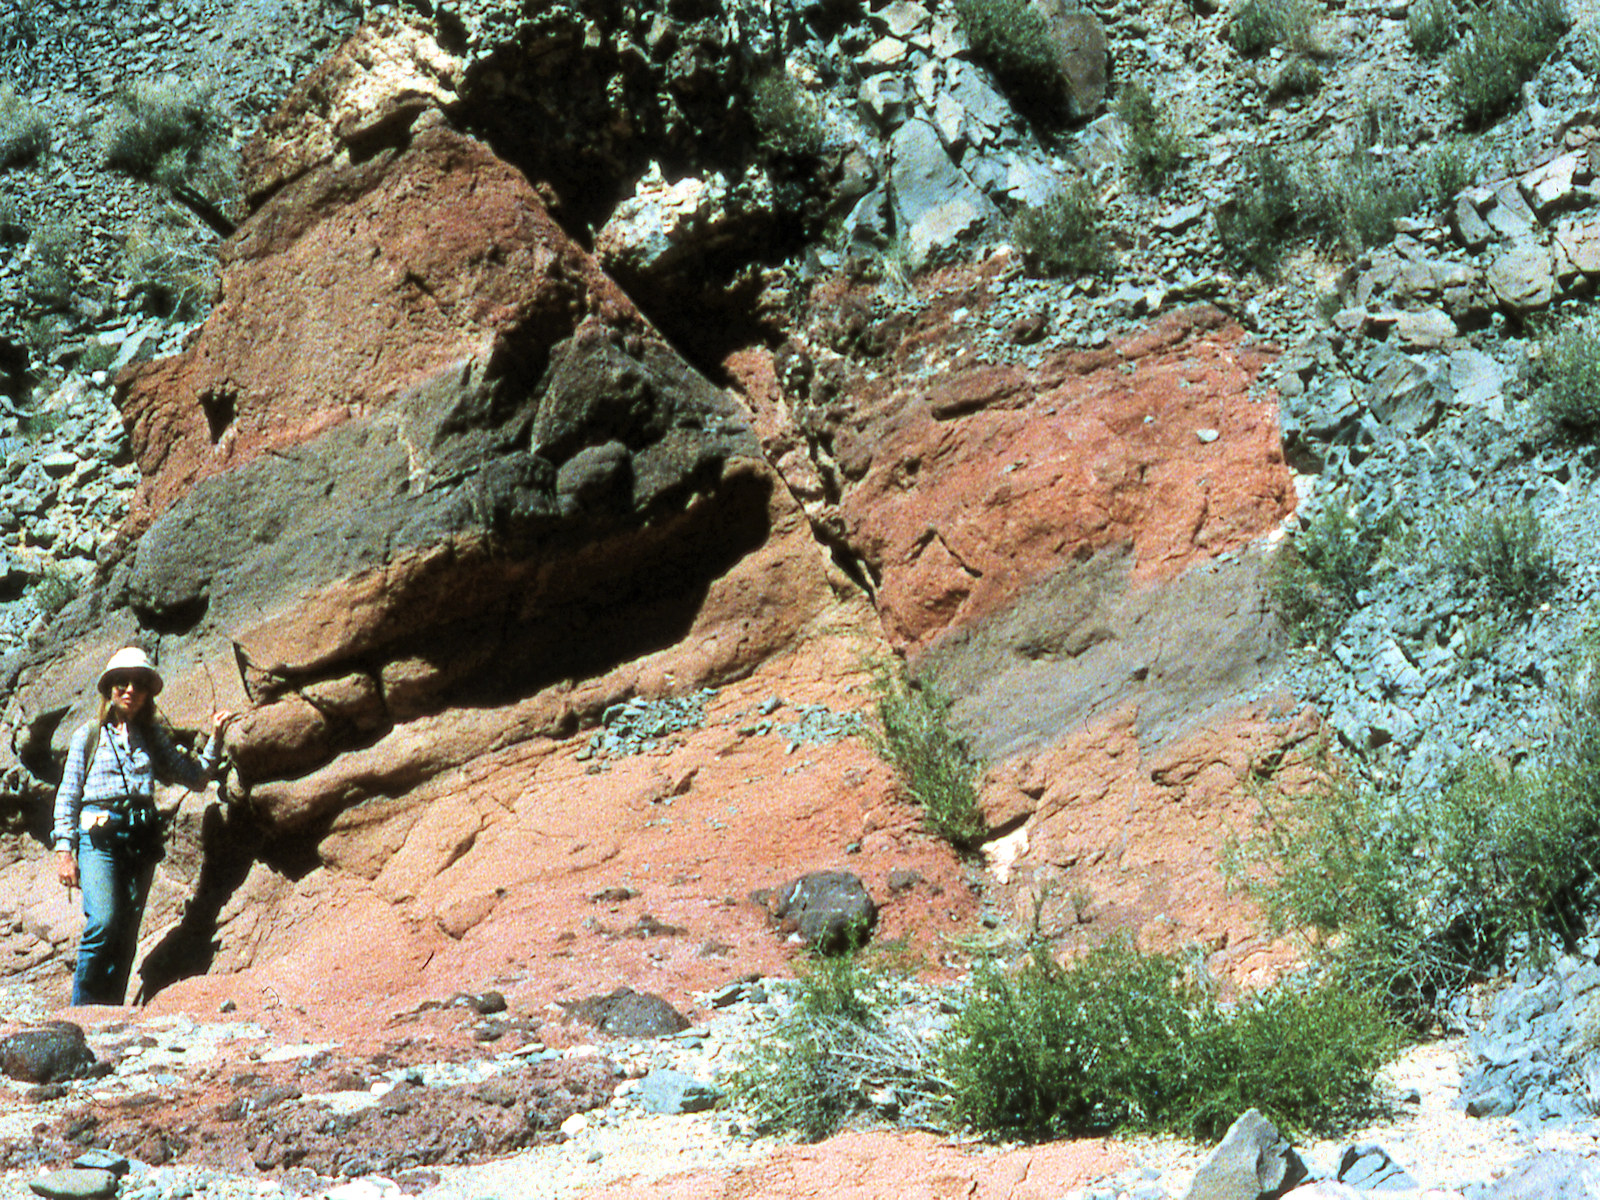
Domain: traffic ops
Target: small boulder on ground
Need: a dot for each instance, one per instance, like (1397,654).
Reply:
(47,1053)
(673,1092)
(831,911)
(1252,1163)
(75,1184)
(627,1013)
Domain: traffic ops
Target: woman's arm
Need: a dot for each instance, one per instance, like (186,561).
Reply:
(69,796)
(172,765)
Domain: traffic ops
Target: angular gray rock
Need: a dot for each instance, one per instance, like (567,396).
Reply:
(935,204)
(1547,1175)
(1252,1163)
(674,1092)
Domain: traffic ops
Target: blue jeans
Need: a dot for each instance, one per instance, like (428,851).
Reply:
(114,891)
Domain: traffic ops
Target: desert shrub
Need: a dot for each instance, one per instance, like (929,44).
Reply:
(1446,169)
(1504,44)
(172,269)
(934,764)
(1063,236)
(1568,378)
(54,591)
(1410,897)
(169,131)
(1264,213)
(1011,39)
(1126,1040)
(833,1050)
(1315,582)
(13,227)
(1155,149)
(52,275)
(1363,199)
(1501,555)
(24,134)
(787,117)
(1256,26)
(1432,26)
(1298,76)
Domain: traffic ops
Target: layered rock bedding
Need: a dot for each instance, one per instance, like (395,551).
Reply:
(551,481)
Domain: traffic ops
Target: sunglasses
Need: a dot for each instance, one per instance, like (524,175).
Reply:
(133,680)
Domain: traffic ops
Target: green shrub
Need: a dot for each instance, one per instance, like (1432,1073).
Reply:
(1063,235)
(836,1049)
(1011,39)
(164,130)
(1298,76)
(1126,1040)
(787,118)
(934,765)
(1568,378)
(1315,583)
(24,134)
(52,273)
(1433,26)
(1502,556)
(1264,212)
(1155,150)
(1446,170)
(54,591)
(1503,46)
(1256,26)
(1411,897)
(1364,198)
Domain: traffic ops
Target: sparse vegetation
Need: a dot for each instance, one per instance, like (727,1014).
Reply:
(1433,26)
(1010,38)
(1408,897)
(934,765)
(787,117)
(171,132)
(1256,26)
(24,134)
(1503,46)
(1063,235)
(1567,376)
(13,228)
(172,269)
(1264,212)
(1316,583)
(836,1050)
(1126,1040)
(1502,556)
(1155,149)
(52,275)
(1364,198)
(54,591)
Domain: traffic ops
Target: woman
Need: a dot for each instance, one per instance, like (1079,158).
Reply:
(107,834)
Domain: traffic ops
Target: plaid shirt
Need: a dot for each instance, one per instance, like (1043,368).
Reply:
(122,769)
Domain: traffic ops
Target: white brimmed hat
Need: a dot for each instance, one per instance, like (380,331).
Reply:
(130,658)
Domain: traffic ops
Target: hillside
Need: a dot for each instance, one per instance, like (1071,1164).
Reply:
(551,424)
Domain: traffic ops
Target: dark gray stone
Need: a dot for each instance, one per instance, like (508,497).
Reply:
(1370,1168)
(830,910)
(51,1052)
(631,1014)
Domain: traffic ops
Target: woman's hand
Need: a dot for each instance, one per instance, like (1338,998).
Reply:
(66,868)
(220,720)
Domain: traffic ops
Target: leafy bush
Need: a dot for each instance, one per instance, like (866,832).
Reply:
(1568,376)
(1264,212)
(934,765)
(1256,26)
(165,130)
(788,118)
(1122,1039)
(833,1051)
(1503,46)
(1011,39)
(1432,26)
(1502,555)
(1316,582)
(1155,150)
(23,132)
(1446,170)
(1411,897)
(1063,236)
(1364,198)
